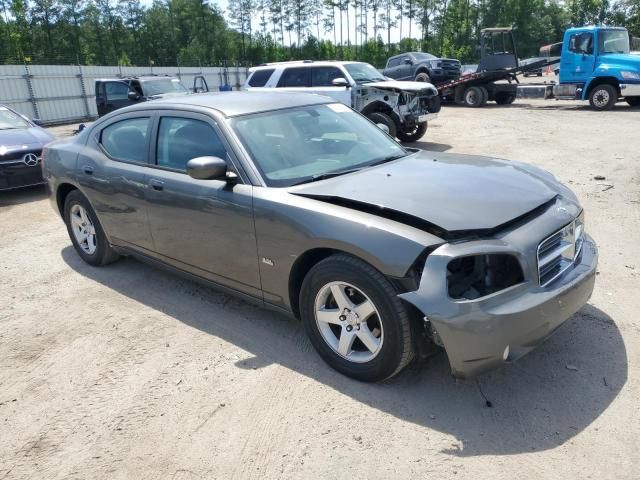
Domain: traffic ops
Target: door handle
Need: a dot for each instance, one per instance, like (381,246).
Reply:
(156,184)
(88,169)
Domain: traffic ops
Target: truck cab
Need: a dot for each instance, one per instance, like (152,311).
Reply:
(596,65)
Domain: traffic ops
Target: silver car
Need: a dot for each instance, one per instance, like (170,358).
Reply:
(301,204)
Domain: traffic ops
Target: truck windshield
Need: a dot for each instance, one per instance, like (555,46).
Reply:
(364,73)
(162,86)
(614,41)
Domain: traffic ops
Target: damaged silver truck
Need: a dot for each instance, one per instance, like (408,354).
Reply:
(402,109)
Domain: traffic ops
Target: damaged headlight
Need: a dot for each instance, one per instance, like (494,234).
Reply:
(477,276)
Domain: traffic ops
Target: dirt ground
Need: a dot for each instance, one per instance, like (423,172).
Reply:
(130,372)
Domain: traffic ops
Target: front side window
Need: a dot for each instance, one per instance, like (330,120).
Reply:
(324,76)
(300,144)
(294,77)
(127,139)
(614,41)
(116,91)
(363,73)
(11,121)
(394,62)
(581,43)
(181,139)
(260,77)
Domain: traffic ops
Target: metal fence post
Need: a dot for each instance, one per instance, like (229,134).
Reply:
(84,92)
(32,97)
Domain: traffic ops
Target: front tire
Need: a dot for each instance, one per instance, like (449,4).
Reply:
(85,231)
(384,119)
(603,97)
(423,77)
(355,320)
(414,134)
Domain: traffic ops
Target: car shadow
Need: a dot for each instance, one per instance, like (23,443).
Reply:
(538,403)
(429,146)
(20,196)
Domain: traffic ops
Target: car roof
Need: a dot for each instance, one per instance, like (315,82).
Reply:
(142,78)
(301,63)
(231,104)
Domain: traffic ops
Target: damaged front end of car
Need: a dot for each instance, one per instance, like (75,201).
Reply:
(492,299)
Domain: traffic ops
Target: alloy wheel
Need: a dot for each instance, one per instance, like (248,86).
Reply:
(83,229)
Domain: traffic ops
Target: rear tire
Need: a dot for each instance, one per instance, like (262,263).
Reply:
(423,77)
(413,135)
(85,231)
(384,119)
(474,97)
(603,97)
(633,101)
(504,98)
(383,324)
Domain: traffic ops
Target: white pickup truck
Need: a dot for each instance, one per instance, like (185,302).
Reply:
(403,109)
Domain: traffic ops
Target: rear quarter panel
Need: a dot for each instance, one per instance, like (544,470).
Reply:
(60,166)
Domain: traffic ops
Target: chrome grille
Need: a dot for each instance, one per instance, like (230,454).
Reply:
(559,251)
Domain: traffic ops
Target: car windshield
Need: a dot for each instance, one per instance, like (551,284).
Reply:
(423,56)
(10,120)
(364,73)
(614,41)
(304,144)
(162,86)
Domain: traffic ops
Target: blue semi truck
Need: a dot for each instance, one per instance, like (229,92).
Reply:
(595,65)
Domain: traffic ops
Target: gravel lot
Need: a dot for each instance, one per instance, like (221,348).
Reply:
(130,372)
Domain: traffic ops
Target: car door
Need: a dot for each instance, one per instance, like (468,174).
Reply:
(392,69)
(321,83)
(202,226)
(115,95)
(112,174)
(578,60)
(405,68)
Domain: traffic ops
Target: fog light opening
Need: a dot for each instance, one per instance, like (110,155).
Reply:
(505,354)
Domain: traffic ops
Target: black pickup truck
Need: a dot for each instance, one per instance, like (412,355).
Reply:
(422,67)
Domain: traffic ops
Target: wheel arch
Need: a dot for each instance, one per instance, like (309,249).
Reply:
(422,69)
(63,190)
(613,81)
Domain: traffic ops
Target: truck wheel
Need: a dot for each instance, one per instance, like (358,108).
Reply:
(355,320)
(504,98)
(413,134)
(384,119)
(474,97)
(633,101)
(603,97)
(423,77)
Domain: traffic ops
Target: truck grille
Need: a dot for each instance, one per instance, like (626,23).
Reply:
(559,251)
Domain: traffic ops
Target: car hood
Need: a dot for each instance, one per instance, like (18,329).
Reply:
(451,193)
(20,137)
(402,86)
(622,59)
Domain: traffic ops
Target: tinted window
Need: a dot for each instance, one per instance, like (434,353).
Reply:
(260,77)
(181,139)
(117,91)
(127,139)
(581,43)
(294,77)
(394,62)
(323,76)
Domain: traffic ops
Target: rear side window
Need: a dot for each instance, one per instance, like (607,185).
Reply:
(127,140)
(294,77)
(181,139)
(323,76)
(116,91)
(260,77)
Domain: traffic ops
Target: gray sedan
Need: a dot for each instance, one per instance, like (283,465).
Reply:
(300,204)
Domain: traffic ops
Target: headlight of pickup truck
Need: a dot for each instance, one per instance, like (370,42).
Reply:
(630,75)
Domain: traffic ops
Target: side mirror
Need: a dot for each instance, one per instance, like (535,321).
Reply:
(134,96)
(207,168)
(340,82)
(408,61)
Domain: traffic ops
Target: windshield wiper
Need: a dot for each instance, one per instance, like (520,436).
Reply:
(324,176)
(387,159)
(10,128)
